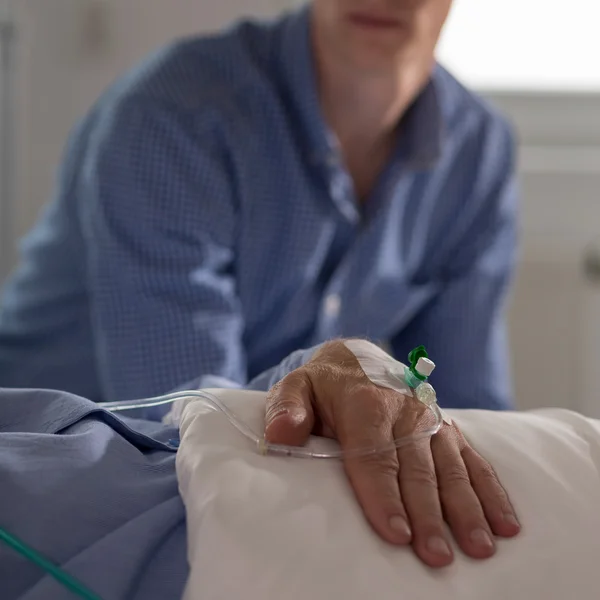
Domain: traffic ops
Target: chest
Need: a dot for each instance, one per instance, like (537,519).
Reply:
(308,255)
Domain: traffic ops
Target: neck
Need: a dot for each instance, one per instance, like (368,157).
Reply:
(361,107)
(366,111)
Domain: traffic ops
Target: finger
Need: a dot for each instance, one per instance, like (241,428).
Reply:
(374,477)
(418,486)
(460,503)
(496,505)
(375,484)
(289,415)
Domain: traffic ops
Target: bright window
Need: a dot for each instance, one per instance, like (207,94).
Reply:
(524,44)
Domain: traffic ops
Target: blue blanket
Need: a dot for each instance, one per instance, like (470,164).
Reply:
(95,493)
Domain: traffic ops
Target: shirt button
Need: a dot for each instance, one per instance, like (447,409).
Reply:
(333,304)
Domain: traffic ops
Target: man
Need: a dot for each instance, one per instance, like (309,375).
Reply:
(113,517)
(246,194)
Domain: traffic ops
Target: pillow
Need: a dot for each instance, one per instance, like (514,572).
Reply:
(271,528)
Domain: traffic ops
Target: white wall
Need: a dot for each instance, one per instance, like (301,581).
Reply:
(532,46)
(555,316)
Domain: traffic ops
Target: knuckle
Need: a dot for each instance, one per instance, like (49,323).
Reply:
(284,395)
(294,381)
(384,465)
(325,371)
(479,468)
(447,437)
(420,475)
(454,476)
(280,406)
(486,474)
(277,391)
(274,391)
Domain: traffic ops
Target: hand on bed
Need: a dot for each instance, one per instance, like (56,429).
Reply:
(405,494)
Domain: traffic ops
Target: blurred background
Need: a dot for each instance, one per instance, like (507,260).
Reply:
(538,60)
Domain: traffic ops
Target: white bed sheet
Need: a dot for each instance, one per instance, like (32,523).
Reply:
(266,528)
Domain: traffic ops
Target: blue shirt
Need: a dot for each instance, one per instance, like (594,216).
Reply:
(96,494)
(204,224)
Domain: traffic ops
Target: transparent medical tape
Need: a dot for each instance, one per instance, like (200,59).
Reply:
(419,417)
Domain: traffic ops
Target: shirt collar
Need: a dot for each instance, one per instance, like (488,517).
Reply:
(422,126)
(298,73)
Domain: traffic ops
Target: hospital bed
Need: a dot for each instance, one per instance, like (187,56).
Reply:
(273,527)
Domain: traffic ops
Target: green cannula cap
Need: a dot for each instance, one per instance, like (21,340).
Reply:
(413,357)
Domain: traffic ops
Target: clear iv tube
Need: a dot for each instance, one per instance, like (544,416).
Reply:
(259,441)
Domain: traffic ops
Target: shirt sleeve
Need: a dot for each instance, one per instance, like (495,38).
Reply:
(464,327)
(262,382)
(159,221)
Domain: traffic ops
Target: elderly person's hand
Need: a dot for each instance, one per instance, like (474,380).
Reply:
(406,494)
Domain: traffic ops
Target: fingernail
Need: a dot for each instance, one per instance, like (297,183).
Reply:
(400,525)
(481,538)
(510,519)
(438,545)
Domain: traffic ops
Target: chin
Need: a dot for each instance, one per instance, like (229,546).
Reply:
(376,59)
(377,51)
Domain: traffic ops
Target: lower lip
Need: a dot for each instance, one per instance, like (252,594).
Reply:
(373,23)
